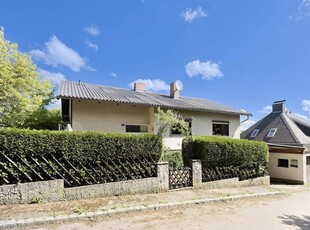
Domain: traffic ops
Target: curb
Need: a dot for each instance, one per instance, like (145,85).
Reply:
(4,224)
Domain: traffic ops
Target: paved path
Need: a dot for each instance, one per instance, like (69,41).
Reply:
(280,212)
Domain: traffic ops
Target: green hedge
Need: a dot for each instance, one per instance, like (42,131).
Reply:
(83,154)
(220,152)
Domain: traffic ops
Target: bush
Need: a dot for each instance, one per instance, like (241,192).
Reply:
(174,158)
(218,153)
(78,157)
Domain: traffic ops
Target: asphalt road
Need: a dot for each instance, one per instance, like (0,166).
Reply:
(280,212)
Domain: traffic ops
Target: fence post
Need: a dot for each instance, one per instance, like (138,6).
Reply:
(196,173)
(163,175)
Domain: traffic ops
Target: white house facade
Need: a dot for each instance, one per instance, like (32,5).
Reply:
(90,107)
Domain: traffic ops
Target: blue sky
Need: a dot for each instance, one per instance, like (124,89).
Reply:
(245,54)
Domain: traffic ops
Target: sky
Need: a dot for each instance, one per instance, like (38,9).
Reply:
(240,53)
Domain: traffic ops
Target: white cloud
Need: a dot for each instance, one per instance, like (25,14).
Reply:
(155,85)
(56,53)
(303,10)
(55,104)
(93,30)
(91,45)
(265,110)
(207,70)
(306,105)
(301,115)
(247,124)
(190,15)
(113,74)
(54,77)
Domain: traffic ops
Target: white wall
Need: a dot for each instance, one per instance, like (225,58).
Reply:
(107,117)
(202,126)
(290,173)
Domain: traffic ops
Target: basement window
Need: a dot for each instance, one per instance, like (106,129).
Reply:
(283,163)
(137,128)
(220,128)
(272,132)
(294,163)
(254,133)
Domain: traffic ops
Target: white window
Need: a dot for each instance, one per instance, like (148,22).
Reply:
(254,133)
(294,163)
(272,132)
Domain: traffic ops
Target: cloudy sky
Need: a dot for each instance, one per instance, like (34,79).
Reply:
(245,54)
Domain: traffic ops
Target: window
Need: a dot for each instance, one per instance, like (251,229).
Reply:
(272,132)
(220,128)
(283,163)
(254,133)
(189,122)
(294,163)
(136,128)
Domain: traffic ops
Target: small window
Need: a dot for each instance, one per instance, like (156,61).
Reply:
(220,128)
(283,163)
(136,128)
(294,163)
(189,122)
(254,133)
(272,132)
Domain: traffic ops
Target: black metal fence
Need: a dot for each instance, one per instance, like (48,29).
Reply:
(180,177)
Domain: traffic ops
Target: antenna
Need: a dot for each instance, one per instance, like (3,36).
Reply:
(179,85)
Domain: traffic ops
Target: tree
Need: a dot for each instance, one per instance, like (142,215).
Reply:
(171,119)
(43,119)
(22,91)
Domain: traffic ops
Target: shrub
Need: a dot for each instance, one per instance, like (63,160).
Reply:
(77,157)
(220,154)
(174,158)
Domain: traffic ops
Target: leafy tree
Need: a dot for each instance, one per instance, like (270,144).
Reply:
(21,90)
(170,119)
(43,119)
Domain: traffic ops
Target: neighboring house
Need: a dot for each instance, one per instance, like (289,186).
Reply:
(288,137)
(115,110)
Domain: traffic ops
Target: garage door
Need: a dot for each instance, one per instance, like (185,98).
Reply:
(308,169)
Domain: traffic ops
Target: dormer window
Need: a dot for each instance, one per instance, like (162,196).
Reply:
(272,132)
(254,133)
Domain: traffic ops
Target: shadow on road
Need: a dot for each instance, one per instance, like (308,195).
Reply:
(292,220)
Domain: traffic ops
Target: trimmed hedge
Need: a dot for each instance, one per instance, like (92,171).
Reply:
(221,152)
(87,152)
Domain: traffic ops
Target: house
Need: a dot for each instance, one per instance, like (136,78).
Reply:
(115,110)
(288,137)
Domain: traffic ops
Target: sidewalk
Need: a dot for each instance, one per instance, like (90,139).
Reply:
(44,213)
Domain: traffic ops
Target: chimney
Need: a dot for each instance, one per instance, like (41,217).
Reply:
(139,86)
(278,106)
(174,92)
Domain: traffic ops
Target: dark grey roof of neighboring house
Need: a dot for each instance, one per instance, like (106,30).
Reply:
(75,90)
(291,129)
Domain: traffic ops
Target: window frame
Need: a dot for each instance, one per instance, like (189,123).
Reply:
(295,164)
(281,163)
(272,132)
(137,125)
(254,133)
(222,123)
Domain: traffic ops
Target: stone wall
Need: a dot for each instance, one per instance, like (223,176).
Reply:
(54,190)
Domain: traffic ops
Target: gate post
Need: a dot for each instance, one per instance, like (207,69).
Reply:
(163,176)
(196,173)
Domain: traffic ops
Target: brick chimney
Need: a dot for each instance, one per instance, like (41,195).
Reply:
(139,86)
(174,92)
(278,106)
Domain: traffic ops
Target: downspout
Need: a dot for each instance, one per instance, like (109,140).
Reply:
(248,117)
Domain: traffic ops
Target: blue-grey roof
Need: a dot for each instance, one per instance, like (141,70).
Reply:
(75,90)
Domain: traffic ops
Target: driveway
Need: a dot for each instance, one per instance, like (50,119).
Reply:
(280,212)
